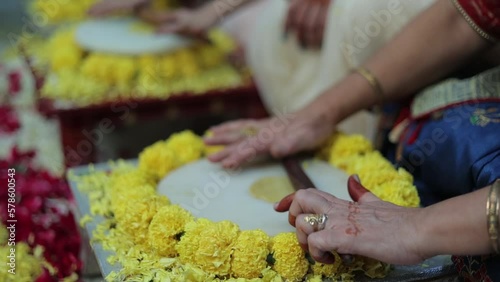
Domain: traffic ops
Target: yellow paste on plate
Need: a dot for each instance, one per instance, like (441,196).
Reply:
(272,188)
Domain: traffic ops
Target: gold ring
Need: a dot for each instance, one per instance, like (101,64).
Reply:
(317,221)
(249,131)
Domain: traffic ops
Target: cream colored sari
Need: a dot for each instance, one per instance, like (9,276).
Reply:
(290,77)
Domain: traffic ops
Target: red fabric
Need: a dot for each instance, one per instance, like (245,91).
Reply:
(14,82)
(485,14)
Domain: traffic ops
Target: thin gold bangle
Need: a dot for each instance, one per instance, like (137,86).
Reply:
(492,208)
(375,84)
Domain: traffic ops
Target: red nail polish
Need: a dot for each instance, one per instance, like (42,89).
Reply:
(356,190)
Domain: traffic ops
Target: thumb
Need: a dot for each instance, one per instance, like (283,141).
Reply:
(358,192)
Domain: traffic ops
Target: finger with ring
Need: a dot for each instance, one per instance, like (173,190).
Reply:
(249,131)
(317,221)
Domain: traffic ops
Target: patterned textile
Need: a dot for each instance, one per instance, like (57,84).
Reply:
(482,15)
(453,91)
(455,150)
(474,269)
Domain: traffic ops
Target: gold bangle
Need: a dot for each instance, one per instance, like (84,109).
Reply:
(492,208)
(375,84)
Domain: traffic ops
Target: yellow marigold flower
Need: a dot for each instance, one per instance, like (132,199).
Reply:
(210,56)
(66,58)
(168,67)
(186,62)
(187,146)
(166,227)
(120,202)
(4,234)
(124,69)
(138,216)
(148,62)
(99,67)
(327,270)
(158,159)
(57,12)
(371,267)
(190,241)
(222,40)
(129,179)
(399,192)
(28,264)
(63,51)
(216,246)
(193,273)
(290,260)
(269,275)
(314,278)
(348,145)
(250,253)
(208,245)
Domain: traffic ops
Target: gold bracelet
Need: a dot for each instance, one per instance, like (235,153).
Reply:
(492,208)
(375,84)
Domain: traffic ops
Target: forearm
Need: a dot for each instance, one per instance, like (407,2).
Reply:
(433,45)
(456,226)
(224,7)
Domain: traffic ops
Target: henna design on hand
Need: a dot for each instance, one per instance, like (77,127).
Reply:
(355,229)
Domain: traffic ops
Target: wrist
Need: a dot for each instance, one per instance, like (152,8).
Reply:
(423,243)
(443,230)
(352,94)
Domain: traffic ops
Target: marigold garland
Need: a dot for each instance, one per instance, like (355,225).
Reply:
(156,242)
(81,77)
(51,12)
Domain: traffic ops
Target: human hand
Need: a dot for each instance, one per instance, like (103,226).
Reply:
(107,7)
(307,19)
(368,226)
(190,22)
(278,136)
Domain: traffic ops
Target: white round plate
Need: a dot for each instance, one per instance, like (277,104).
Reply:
(117,35)
(208,191)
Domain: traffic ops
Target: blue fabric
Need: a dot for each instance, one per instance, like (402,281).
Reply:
(457,153)
(454,154)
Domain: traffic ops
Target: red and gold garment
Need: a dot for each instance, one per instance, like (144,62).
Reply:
(482,15)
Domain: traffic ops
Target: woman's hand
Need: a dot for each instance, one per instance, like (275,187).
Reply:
(191,22)
(368,226)
(108,7)
(307,19)
(278,136)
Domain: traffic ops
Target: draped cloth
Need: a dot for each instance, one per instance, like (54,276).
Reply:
(454,150)
(290,77)
(482,15)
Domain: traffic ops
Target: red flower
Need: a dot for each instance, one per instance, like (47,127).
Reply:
(14,82)
(10,122)
(43,207)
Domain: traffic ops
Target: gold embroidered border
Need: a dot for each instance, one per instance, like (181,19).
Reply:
(472,24)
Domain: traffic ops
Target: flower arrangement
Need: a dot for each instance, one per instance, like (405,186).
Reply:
(57,12)
(155,240)
(80,77)
(47,242)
